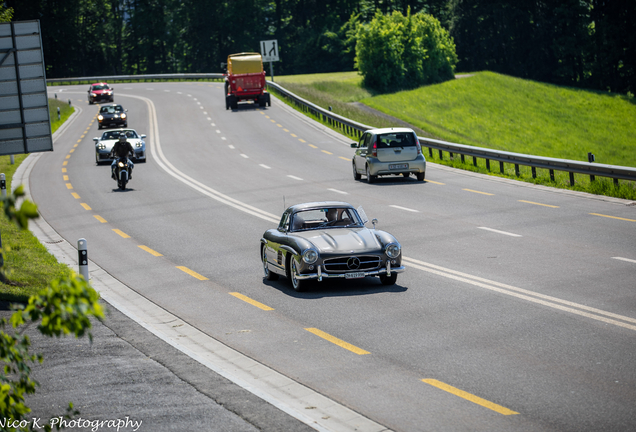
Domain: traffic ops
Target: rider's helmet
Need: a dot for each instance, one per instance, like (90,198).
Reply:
(122,137)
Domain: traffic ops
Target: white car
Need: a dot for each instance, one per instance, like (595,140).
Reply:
(390,151)
(105,144)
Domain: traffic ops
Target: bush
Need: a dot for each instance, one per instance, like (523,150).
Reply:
(395,52)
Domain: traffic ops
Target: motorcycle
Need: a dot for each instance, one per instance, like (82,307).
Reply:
(122,172)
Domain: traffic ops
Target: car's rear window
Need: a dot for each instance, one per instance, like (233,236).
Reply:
(389,140)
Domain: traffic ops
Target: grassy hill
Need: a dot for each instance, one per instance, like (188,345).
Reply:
(495,111)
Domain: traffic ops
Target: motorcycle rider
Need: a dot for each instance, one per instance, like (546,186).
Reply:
(122,148)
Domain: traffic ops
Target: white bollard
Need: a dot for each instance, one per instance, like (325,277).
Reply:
(82,249)
(3,185)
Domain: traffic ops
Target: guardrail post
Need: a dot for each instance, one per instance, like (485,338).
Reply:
(441,155)
(430,152)
(474,160)
(488,164)
(534,172)
(517,170)
(571,179)
(552,175)
(82,249)
(463,157)
(501,167)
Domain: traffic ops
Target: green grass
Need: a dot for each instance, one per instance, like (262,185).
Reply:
(511,114)
(65,112)
(499,112)
(27,264)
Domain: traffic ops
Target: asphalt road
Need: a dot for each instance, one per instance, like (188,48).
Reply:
(516,312)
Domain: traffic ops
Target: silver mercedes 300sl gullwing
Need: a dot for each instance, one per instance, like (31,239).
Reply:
(321,240)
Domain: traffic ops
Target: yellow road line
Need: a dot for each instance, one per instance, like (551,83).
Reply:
(474,191)
(613,217)
(65,178)
(337,341)
(294,135)
(279,125)
(71,150)
(301,140)
(65,163)
(150,251)
(99,218)
(539,204)
(434,182)
(325,151)
(285,130)
(312,146)
(192,273)
(251,301)
(69,186)
(86,206)
(63,170)
(67,156)
(344,158)
(121,233)
(75,195)
(470,397)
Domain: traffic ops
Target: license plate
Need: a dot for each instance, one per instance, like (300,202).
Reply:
(398,166)
(356,275)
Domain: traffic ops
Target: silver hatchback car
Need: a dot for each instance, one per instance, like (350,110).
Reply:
(390,151)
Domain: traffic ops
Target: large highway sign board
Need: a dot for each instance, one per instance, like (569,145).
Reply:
(25,125)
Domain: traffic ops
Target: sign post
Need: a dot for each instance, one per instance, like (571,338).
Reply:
(269,52)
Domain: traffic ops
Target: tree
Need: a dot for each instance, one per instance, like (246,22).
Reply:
(5,13)
(65,307)
(399,52)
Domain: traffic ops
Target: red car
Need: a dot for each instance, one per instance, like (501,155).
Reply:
(100,92)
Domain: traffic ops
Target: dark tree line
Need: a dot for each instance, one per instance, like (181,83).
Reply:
(585,43)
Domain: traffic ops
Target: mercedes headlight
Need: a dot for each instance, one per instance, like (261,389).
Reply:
(310,256)
(392,250)
(101,146)
(138,144)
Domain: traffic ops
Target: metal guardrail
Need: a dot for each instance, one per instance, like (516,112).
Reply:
(354,128)
(351,127)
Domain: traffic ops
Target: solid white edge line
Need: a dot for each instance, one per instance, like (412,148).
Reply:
(509,289)
(157,153)
(500,232)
